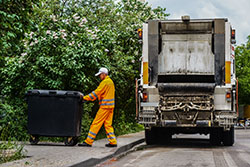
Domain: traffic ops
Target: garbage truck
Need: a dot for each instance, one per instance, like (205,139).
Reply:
(187,82)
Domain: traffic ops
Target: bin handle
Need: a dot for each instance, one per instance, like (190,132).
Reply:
(52,92)
(81,98)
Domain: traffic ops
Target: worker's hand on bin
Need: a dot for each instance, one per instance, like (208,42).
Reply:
(81,98)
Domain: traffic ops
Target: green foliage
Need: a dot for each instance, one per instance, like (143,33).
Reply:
(67,44)
(14,21)
(13,122)
(10,151)
(242,54)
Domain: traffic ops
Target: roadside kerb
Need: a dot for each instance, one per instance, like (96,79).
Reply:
(94,161)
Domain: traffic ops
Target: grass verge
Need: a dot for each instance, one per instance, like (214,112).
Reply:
(10,151)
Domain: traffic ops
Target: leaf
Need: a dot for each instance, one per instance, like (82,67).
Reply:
(10,34)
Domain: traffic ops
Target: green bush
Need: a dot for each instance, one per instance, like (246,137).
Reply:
(13,122)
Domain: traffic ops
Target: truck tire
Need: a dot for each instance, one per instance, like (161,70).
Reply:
(215,136)
(228,137)
(150,136)
(164,135)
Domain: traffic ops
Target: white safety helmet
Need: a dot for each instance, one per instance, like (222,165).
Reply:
(102,70)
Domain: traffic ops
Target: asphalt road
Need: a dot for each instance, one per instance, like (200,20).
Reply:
(188,151)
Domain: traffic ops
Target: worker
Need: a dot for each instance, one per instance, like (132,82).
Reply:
(105,92)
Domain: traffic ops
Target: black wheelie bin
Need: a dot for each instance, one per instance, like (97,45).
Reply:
(54,113)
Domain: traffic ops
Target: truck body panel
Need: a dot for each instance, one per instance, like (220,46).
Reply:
(181,52)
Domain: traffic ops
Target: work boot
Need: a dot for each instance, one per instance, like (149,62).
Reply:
(111,145)
(84,145)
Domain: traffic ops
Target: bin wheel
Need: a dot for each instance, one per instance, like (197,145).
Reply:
(34,140)
(71,141)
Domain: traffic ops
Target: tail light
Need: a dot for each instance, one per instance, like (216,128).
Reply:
(139,32)
(145,97)
(233,34)
(233,40)
(228,96)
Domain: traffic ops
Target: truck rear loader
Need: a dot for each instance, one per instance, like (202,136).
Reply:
(187,82)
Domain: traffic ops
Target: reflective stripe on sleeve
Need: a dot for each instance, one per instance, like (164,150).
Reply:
(95,94)
(91,96)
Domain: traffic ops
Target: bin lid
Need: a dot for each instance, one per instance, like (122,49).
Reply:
(58,93)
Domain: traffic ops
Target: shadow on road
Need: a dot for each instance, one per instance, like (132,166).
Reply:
(50,144)
(184,143)
(189,142)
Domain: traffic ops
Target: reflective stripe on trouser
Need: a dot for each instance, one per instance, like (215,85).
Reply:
(103,116)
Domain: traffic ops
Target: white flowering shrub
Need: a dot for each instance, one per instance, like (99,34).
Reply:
(70,41)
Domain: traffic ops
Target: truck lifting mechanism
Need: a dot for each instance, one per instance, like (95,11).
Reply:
(187,82)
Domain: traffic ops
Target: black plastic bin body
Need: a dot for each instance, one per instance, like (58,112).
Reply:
(54,113)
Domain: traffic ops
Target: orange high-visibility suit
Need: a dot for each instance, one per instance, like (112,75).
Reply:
(105,92)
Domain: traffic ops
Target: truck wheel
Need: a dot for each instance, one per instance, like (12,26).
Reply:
(228,137)
(150,136)
(215,136)
(71,141)
(34,140)
(164,135)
